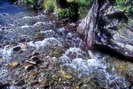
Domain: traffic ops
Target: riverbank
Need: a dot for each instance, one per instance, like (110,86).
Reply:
(38,51)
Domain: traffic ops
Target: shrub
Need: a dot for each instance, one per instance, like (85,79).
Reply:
(70,13)
(84,5)
(77,9)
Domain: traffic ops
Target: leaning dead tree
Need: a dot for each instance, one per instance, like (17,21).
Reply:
(89,25)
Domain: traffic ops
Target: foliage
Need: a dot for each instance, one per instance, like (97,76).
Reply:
(70,13)
(49,4)
(125,5)
(84,5)
(80,7)
(77,8)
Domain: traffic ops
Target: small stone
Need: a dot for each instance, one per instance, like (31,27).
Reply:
(34,83)
(20,83)
(35,53)
(13,64)
(72,24)
(23,46)
(42,81)
(28,66)
(65,75)
(17,48)
(56,53)
(34,58)
(34,73)
(77,87)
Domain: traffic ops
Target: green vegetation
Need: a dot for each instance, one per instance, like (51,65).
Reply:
(79,8)
(49,4)
(125,5)
(29,1)
(84,6)
(70,13)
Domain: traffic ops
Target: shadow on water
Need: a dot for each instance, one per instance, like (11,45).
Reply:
(113,53)
(7,7)
(8,11)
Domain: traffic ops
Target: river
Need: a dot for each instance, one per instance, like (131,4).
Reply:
(24,35)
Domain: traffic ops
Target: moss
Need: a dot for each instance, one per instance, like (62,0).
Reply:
(125,25)
(122,25)
(83,11)
(65,75)
(56,53)
(49,4)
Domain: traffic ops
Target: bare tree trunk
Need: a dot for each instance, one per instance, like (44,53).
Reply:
(89,25)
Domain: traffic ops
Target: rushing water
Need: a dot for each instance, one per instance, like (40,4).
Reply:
(10,12)
(17,22)
(8,7)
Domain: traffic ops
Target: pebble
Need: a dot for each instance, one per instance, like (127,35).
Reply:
(28,66)
(13,64)
(17,48)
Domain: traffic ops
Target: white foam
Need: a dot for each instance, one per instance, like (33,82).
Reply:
(25,26)
(48,42)
(6,53)
(45,45)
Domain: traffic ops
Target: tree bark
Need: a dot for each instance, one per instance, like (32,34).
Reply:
(89,25)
